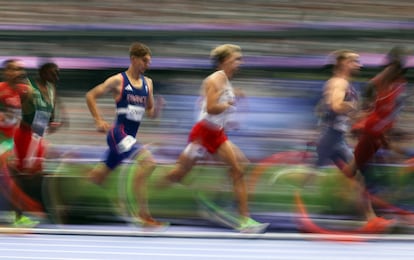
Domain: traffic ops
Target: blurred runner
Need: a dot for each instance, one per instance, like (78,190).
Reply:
(208,134)
(38,111)
(133,94)
(13,90)
(339,104)
(389,90)
(384,98)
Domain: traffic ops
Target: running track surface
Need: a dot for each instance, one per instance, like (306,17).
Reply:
(49,242)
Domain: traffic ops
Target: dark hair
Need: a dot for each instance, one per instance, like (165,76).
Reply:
(47,66)
(397,55)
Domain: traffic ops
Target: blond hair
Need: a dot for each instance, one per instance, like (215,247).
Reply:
(221,52)
(344,54)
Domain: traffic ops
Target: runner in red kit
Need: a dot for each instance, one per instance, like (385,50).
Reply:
(389,87)
(10,91)
(13,90)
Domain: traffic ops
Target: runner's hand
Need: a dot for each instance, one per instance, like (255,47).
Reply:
(159,103)
(102,126)
(53,127)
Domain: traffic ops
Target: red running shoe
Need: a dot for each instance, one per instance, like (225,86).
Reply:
(149,222)
(378,225)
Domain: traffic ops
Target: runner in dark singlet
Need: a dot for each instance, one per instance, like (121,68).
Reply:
(340,103)
(38,107)
(133,94)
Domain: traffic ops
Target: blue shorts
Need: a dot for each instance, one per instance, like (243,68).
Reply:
(332,147)
(121,146)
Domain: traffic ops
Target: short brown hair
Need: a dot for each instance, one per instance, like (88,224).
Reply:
(6,64)
(138,49)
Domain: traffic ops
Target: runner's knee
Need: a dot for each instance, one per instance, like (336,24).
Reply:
(236,173)
(179,172)
(146,161)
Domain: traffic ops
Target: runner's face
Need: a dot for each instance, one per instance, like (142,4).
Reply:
(141,63)
(15,73)
(52,75)
(353,64)
(233,62)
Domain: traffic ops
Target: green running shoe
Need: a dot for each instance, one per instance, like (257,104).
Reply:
(25,222)
(251,226)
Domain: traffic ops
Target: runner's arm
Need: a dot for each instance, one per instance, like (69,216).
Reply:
(112,84)
(337,96)
(153,106)
(213,92)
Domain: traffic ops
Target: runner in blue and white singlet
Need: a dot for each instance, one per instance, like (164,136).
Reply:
(338,103)
(130,109)
(332,145)
(133,95)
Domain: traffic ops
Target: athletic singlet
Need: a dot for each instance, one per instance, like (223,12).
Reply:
(10,106)
(131,105)
(220,120)
(386,107)
(37,111)
(339,122)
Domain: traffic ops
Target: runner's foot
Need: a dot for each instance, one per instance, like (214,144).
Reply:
(378,225)
(251,226)
(149,222)
(25,222)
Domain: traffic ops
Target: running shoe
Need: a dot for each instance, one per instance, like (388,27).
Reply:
(251,226)
(378,225)
(149,222)
(25,222)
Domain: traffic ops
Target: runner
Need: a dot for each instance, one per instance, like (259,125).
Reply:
(37,111)
(208,134)
(339,105)
(133,94)
(389,86)
(12,91)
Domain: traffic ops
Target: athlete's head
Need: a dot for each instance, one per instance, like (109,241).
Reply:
(346,60)
(49,72)
(226,55)
(14,72)
(397,58)
(140,56)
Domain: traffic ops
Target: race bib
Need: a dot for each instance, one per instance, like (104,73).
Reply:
(126,144)
(40,122)
(135,113)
